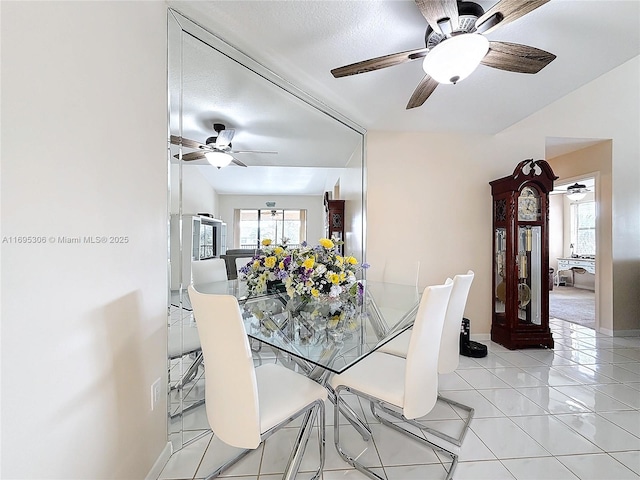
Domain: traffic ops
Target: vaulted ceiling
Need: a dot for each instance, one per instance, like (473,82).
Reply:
(303,40)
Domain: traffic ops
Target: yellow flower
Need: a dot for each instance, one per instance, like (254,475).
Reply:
(352,260)
(339,260)
(326,243)
(314,292)
(256,264)
(333,321)
(308,263)
(278,250)
(334,278)
(270,262)
(266,242)
(281,265)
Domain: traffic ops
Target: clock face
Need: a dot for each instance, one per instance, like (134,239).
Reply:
(528,205)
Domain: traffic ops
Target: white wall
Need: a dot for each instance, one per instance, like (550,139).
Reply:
(313,204)
(428,195)
(607,108)
(428,199)
(198,196)
(83,154)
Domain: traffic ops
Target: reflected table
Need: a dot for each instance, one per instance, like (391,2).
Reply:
(316,347)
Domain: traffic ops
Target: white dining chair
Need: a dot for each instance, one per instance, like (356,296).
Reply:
(246,405)
(187,341)
(401,271)
(408,385)
(449,348)
(207,271)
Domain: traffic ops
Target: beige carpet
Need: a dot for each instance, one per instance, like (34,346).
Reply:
(576,305)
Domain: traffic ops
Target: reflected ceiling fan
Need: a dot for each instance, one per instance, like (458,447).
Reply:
(217,150)
(456,45)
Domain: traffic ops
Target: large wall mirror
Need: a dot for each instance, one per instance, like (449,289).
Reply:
(318,154)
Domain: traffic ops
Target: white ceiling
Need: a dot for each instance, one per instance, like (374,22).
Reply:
(303,40)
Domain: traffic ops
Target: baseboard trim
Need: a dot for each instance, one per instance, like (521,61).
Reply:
(480,337)
(162,460)
(620,333)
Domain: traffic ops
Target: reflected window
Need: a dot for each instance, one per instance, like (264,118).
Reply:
(583,228)
(280,226)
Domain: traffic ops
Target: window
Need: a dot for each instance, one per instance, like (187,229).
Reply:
(253,226)
(583,228)
(207,241)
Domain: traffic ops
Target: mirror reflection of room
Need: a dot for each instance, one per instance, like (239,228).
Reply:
(275,188)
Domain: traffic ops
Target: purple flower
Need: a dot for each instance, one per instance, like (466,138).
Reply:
(365,265)
(304,244)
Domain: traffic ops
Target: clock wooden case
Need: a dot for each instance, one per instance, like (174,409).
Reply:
(521,256)
(334,211)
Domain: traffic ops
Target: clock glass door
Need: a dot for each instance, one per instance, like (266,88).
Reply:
(530,274)
(500,285)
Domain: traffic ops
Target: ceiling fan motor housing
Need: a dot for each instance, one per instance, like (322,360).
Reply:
(468,13)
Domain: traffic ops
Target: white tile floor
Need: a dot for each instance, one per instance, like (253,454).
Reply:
(568,413)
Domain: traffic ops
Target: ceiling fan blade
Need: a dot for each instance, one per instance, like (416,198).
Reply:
(435,10)
(251,151)
(424,89)
(238,162)
(224,137)
(379,62)
(188,157)
(506,11)
(185,142)
(514,57)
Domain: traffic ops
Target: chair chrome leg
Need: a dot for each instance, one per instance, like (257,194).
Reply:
(228,464)
(193,370)
(434,446)
(467,421)
(291,470)
(300,443)
(457,441)
(351,416)
(336,440)
(374,402)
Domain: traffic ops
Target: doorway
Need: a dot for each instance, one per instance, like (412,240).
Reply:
(573,251)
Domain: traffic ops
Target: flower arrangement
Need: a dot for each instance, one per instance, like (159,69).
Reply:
(269,267)
(324,292)
(307,272)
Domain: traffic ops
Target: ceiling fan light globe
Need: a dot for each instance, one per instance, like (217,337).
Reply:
(455,58)
(577,192)
(218,159)
(576,196)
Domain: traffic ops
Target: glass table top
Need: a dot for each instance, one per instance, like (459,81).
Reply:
(321,335)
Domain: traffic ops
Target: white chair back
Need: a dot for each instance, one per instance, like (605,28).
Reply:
(241,262)
(231,390)
(206,271)
(450,343)
(401,271)
(421,374)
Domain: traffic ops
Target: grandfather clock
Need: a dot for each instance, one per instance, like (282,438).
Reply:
(521,256)
(334,211)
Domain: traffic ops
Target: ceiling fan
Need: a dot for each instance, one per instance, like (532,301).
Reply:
(217,150)
(456,45)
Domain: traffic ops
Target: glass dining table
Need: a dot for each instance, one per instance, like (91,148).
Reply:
(316,349)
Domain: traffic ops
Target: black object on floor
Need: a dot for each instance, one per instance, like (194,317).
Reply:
(468,347)
(473,349)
